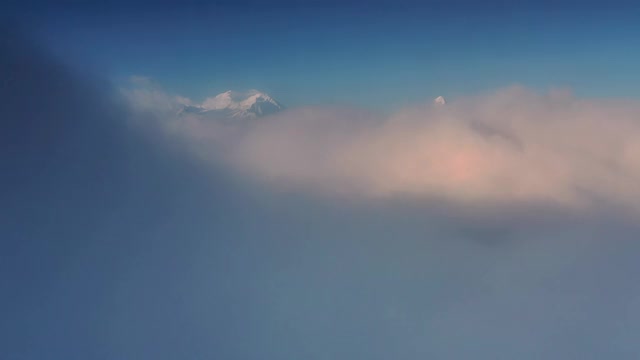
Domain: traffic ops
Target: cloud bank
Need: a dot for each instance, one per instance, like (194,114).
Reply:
(115,232)
(509,146)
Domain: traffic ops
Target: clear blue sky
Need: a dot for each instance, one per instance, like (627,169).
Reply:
(381,55)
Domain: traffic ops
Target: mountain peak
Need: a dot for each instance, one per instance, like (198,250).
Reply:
(233,104)
(440,101)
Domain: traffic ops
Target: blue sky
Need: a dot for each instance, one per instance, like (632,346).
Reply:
(381,56)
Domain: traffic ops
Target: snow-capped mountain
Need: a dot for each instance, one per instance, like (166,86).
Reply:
(440,101)
(235,105)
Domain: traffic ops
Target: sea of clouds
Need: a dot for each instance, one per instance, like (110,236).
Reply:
(501,226)
(510,146)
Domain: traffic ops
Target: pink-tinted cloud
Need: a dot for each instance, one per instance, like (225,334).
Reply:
(509,146)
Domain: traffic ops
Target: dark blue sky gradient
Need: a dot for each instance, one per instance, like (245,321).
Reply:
(380,54)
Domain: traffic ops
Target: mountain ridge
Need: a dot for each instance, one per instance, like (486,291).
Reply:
(236,105)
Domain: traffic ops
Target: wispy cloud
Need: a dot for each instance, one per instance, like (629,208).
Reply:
(145,94)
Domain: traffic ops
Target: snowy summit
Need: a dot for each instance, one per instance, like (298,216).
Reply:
(238,105)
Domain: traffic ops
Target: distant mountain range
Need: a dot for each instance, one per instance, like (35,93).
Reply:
(235,105)
(251,104)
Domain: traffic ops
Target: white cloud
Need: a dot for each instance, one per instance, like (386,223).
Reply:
(511,146)
(145,94)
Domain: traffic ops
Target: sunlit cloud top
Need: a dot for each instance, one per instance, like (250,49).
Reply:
(512,146)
